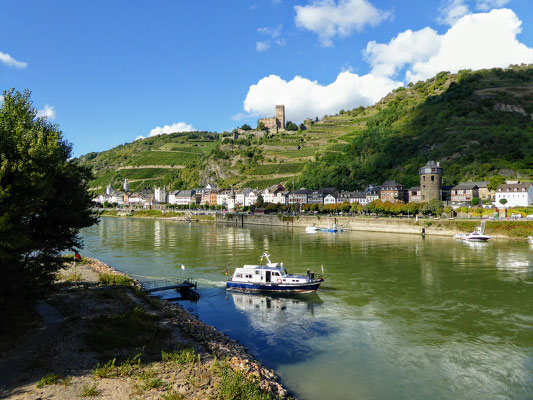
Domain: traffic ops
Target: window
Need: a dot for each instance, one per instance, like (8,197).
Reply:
(238,276)
(432,177)
(257,272)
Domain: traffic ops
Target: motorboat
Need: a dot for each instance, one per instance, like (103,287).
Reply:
(477,236)
(271,277)
(334,228)
(311,229)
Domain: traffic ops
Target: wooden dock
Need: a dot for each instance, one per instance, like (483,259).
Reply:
(187,289)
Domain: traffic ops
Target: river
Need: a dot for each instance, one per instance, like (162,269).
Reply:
(398,316)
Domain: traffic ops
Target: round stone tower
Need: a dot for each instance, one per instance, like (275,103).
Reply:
(430,181)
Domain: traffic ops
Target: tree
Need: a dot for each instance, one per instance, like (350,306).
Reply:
(291,126)
(44,201)
(246,127)
(495,181)
(259,202)
(261,126)
(475,201)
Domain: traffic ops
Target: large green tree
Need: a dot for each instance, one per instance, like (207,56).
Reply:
(44,201)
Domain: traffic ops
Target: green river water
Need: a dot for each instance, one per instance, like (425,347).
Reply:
(398,316)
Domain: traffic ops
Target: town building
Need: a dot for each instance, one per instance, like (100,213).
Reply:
(372,193)
(515,195)
(430,181)
(393,191)
(126,186)
(317,196)
(415,195)
(299,196)
(240,197)
(464,193)
(160,195)
(182,197)
(483,191)
(251,198)
(331,198)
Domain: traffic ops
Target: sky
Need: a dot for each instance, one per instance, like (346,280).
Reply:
(109,72)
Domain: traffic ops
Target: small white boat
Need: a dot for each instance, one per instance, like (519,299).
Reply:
(530,240)
(477,236)
(311,229)
(272,277)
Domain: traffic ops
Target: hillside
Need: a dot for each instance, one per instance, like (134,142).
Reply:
(476,124)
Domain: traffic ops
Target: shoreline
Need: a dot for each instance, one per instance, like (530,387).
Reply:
(497,229)
(214,340)
(182,357)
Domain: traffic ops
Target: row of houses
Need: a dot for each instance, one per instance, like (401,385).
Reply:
(515,193)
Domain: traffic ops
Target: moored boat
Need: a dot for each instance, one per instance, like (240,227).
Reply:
(311,229)
(530,240)
(271,277)
(477,236)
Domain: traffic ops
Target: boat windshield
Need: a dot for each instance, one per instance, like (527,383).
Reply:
(283,271)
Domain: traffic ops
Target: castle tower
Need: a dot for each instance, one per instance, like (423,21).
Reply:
(280,116)
(430,181)
(126,186)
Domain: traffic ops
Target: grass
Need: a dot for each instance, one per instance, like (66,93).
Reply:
(113,370)
(183,357)
(71,277)
(172,396)
(129,329)
(165,158)
(90,391)
(115,279)
(264,183)
(284,168)
(236,386)
(152,383)
(53,379)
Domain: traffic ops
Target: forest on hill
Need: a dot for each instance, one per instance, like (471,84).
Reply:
(476,123)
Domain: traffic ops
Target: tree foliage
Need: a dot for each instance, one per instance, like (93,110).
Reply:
(291,126)
(43,200)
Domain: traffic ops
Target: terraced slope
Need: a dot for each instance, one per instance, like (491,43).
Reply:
(476,124)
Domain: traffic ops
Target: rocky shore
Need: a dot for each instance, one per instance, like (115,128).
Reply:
(117,342)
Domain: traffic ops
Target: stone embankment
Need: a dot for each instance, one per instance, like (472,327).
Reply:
(429,226)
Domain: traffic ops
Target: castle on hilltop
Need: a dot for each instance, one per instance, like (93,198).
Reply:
(276,123)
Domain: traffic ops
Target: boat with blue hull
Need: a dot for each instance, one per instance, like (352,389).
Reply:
(271,277)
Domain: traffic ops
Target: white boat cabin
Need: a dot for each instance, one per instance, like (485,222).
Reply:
(267,274)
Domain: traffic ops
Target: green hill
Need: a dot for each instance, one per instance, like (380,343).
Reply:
(476,124)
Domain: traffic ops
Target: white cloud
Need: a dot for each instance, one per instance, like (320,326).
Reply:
(452,11)
(165,130)
(274,36)
(476,41)
(305,98)
(329,19)
(406,48)
(47,111)
(262,46)
(486,5)
(11,62)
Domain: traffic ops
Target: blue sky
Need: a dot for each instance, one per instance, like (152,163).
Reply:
(110,71)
